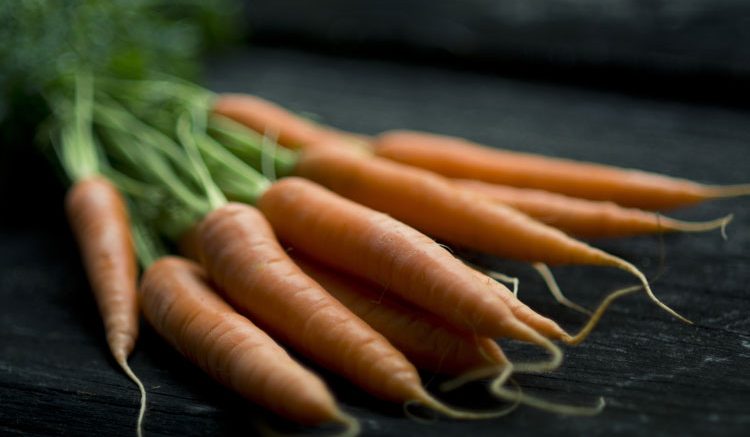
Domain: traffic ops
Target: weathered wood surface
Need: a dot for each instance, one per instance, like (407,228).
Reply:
(658,376)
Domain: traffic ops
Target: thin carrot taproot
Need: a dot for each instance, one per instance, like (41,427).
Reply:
(586,218)
(181,306)
(458,158)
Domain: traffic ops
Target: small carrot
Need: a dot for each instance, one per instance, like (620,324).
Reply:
(180,305)
(586,218)
(422,337)
(99,220)
(459,158)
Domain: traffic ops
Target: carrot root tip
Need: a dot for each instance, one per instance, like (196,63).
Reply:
(719,223)
(352,425)
(638,274)
(142,410)
(597,315)
(555,360)
(730,190)
(500,391)
(426,400)
(501,372)
(549,279)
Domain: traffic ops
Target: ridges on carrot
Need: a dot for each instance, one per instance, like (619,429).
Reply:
(181,306)
(240,252)
(416,197)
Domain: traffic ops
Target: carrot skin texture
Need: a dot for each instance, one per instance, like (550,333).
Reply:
(580,217)
(181,306)
(99,219)
(435,206)
(458,158)
(427,342)
(241,254)
(369,244)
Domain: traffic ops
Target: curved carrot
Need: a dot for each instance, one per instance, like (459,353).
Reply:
(180,305)
(586,218)
(422,337)
(417,197)
(99,220)
(342,233)
(459,158)
(241,254)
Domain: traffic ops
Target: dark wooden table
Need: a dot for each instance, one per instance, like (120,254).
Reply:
(658,376)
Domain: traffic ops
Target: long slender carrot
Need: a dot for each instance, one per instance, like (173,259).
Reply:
(241,254)
(180,305)
(459,158)
(422,337)
(586,218)
(342,233)
(418,197)
(99,219)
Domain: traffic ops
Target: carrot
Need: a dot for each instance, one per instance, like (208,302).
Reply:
(430,345)
(180,305)
(418,197)
(422,337)
(289,129)
(369,244)
(459,158)
(241,254)
(99,219)
(586,218)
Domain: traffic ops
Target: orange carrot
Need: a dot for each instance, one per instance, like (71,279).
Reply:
(422,337)
(269,118)
(180,305)
(99,220)
(586,218)
(458,158)
(435,206)
(372,245)
(241,254)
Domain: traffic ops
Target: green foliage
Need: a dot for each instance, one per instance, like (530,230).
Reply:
(46,42)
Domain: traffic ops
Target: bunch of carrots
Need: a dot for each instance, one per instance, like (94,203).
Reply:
(258,230)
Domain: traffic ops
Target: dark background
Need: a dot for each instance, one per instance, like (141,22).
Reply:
(660,86)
